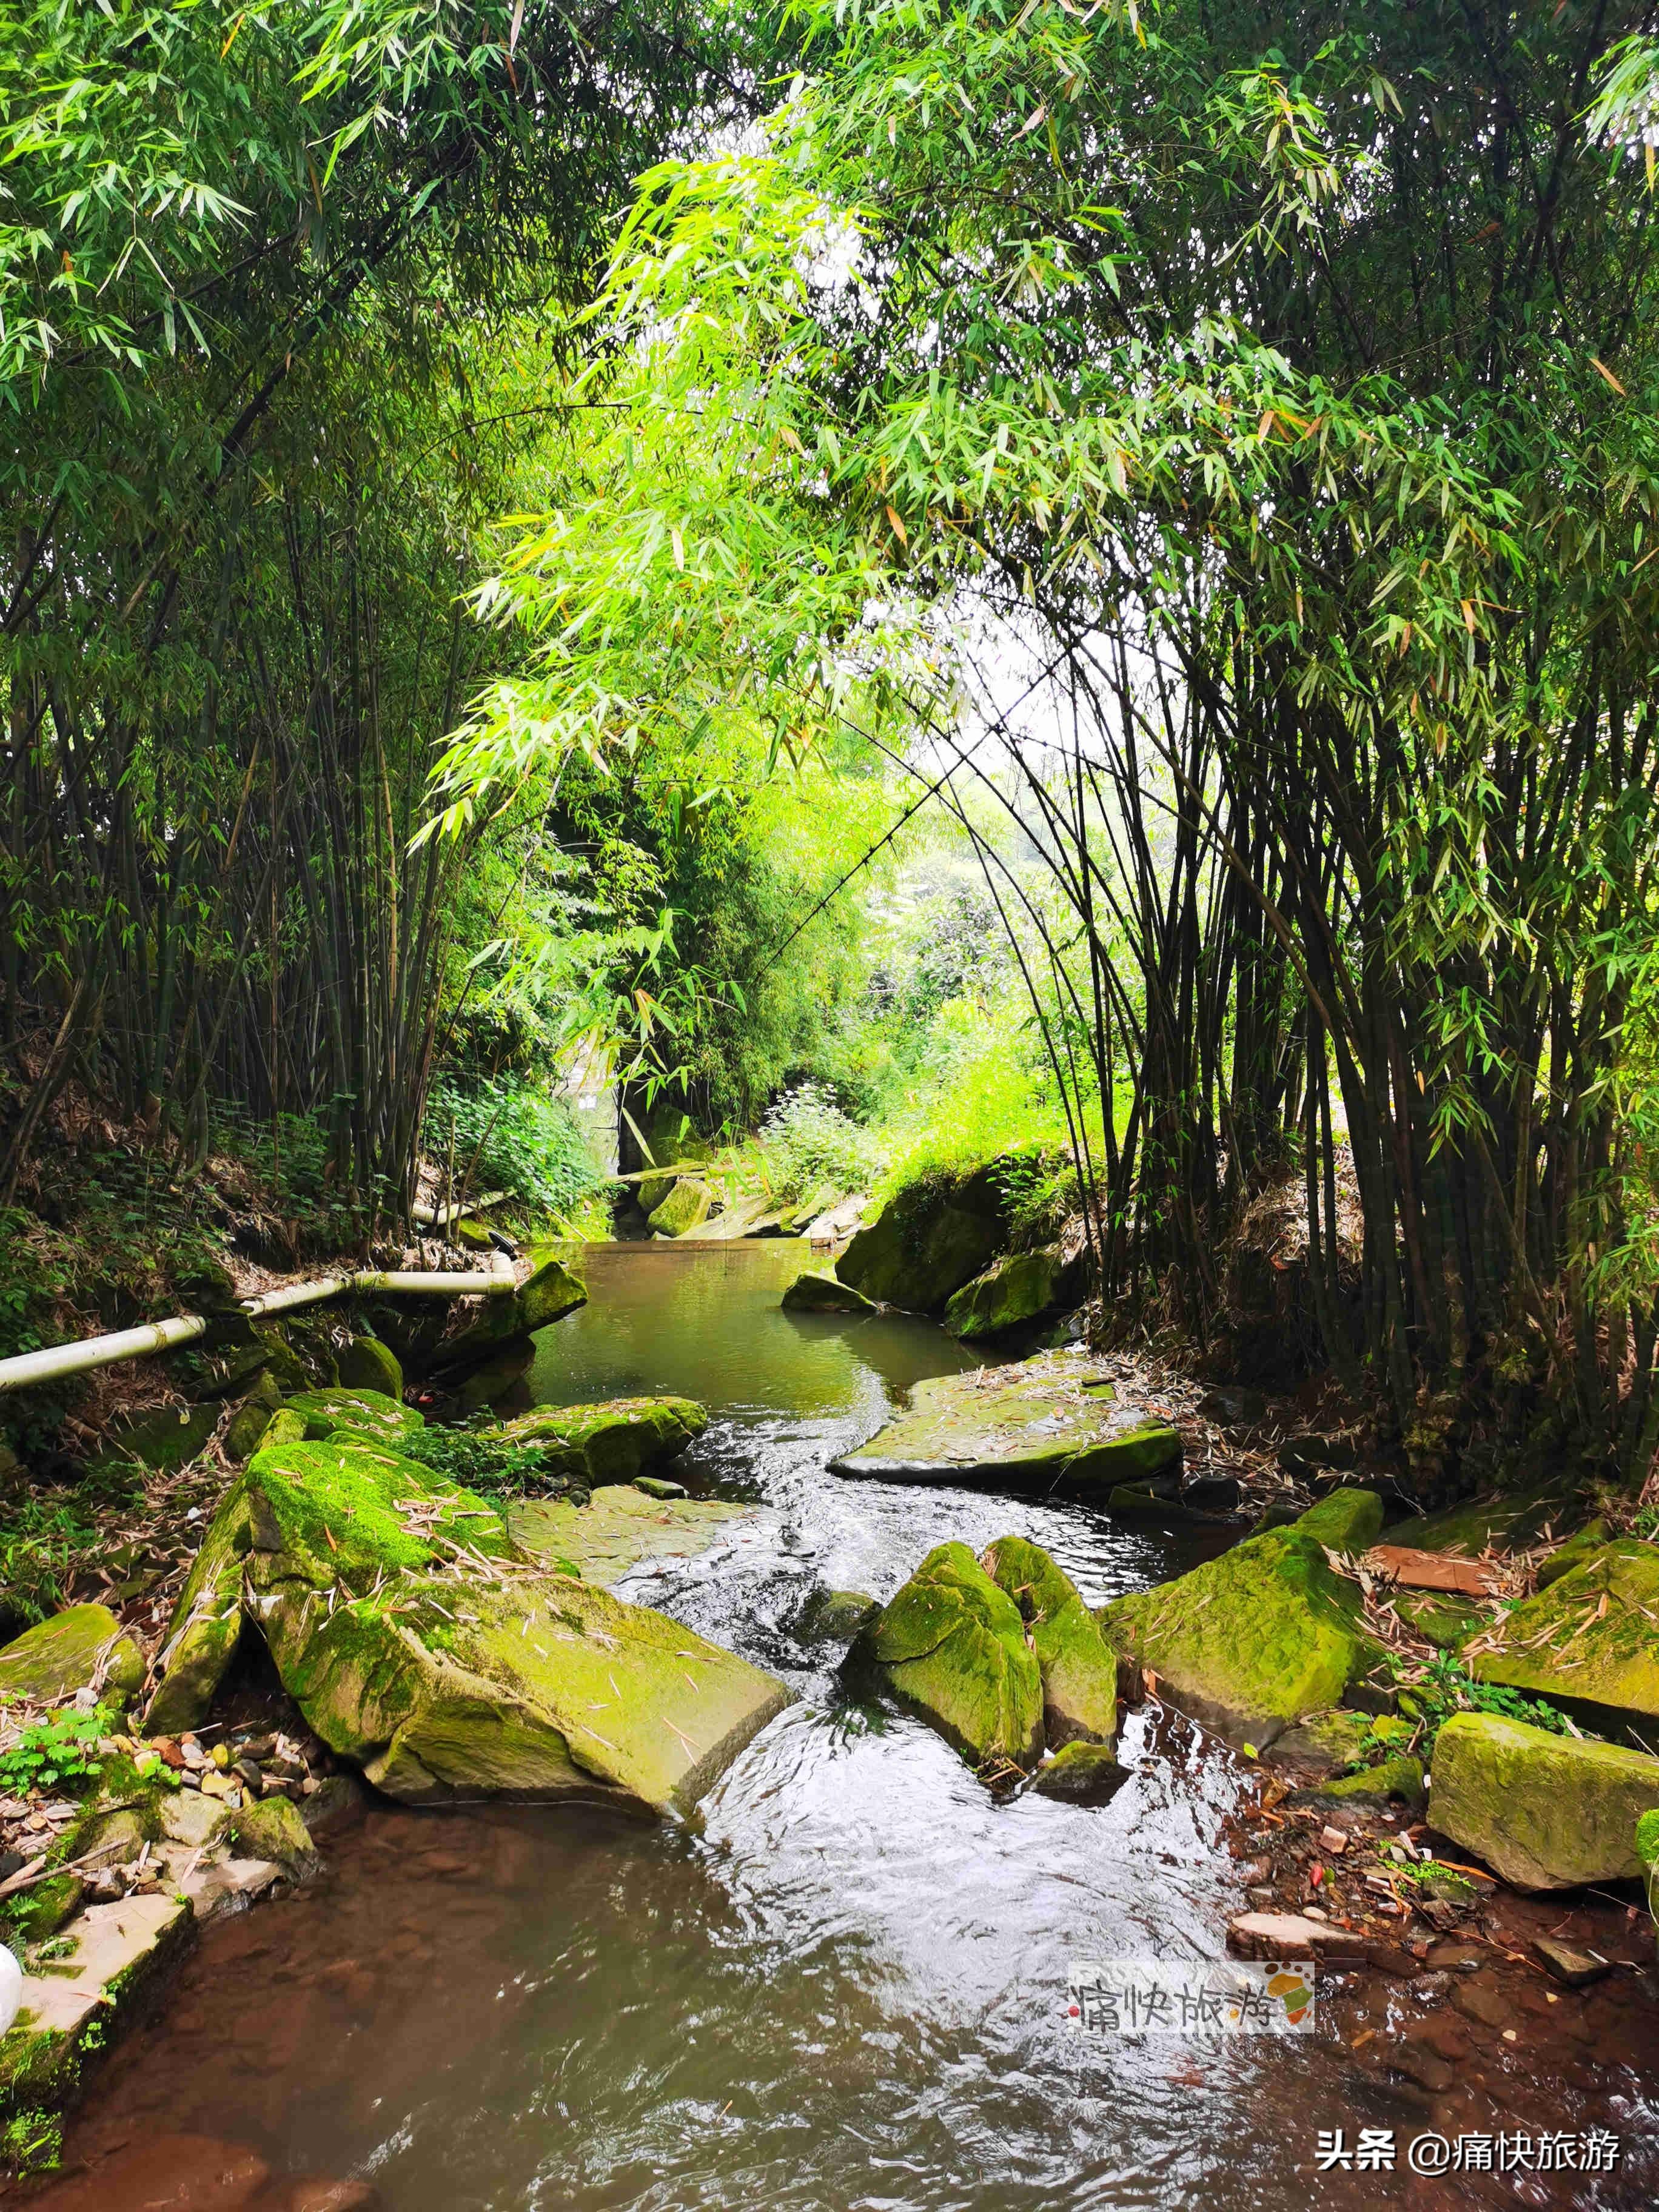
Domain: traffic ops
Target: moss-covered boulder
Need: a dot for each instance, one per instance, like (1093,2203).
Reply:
(161,1440)
(921,1248)
(685,1207)
(548,1295)
(1508,1524)
(419,1642)
(1077,1667)
(1545,1812)
(206,1624)
(618,1529)
(368,1412)
(1012,1292)
(271,1828)
(84,1648)
(953,1644)
(1252,1641)
(611,1442)
(1573,1553)
(1047,1424)
(1441,1617)
(366,1364)
(1400,1777)
(1081,1774)
(819,1293)
(1591,1634)
(1348,1521)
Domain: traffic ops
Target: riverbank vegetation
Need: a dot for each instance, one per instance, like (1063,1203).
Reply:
(907,584)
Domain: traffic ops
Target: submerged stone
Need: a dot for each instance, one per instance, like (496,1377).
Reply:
(1053,1422)
(1020,1289)
(953,1644)
(1592,1634)
(1252,1641)
(832,1616)
(84,1648)
(1545,1812)
(618,1529)
(1077,1667)
(817,1293)
(368,1412)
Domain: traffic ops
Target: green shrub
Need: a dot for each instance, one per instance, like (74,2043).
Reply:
(809,1142)
(523,1142)
(486,1464)
(59,1752)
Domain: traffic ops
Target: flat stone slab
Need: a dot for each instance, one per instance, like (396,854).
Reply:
(112,1941)
(1052,1423)
(619,1527)
(1289,1935)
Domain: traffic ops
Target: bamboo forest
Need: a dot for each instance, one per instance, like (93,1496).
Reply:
(829,1105)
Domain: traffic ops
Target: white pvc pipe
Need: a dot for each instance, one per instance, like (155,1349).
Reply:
(61,1359)
(58,1360)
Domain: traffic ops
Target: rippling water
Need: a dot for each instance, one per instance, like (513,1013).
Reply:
(848,1989)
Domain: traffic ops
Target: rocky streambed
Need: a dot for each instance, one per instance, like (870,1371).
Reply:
(847,1978)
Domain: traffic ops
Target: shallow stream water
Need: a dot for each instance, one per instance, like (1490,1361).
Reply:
(848,1989)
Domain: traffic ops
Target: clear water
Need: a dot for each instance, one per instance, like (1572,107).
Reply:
(848,1990)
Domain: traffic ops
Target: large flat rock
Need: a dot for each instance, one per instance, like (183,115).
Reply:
(1592,1635)
(1052,1423)
(618,1529)
(1544,1811)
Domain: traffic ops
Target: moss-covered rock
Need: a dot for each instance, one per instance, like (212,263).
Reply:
(1592,1634)
(420,1645)
(368,1412)
(271,1829)
(1441,1617)
(1080,1773)
(1573,1553)
(160,1441)
(1509,1523)
(206,1624)
(39,1912)
(84,1648)
(506,1367)
(832,1616)
(1250,1642)
(366,1364)
(819,1293)
(1050,1423)
(685,1207)
(651,1190)
(920,1249)
(1400,1777)
(1348,1521)
(1078,1668)
(549,1294)
(246,1426)
(611,1442)
(1330,1739)
(1545,1812)
(1011,1293)
(953,1644)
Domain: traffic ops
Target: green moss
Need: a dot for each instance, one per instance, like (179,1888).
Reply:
(56,1658)
(39,1912)
(1399,1777)
(1443,1619)
(1013,1291)
(920,1249)
(1499,1524)
(336,1506)
(367,1364)
(1592,1634)
(1250,1641)
(1347,1520)
(612,1440)
(1545,1812)
(1079,1668)
(207,1621)
(1573,1553)
(367,1412)
(954,1645)
(686,1206)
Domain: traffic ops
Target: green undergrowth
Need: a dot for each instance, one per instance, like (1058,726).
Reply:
(61,1753)
(508,1133)
(492,1468)
(49,1537)
(1431,1691)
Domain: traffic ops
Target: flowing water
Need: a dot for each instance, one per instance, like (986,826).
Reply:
(848,1989)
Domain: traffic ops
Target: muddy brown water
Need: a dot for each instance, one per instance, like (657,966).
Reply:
(849,1988)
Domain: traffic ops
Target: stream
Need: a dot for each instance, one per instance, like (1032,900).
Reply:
(848,1990)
